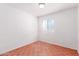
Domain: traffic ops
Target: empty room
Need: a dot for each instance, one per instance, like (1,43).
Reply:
(39,29)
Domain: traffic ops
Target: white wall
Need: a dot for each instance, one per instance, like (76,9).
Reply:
(78,28)
(17,28)
(65,31)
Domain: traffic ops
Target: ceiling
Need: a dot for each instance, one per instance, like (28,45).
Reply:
(34,9)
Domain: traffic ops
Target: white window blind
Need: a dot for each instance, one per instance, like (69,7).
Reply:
(48,25)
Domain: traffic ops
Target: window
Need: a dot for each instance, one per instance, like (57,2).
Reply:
(48,25)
